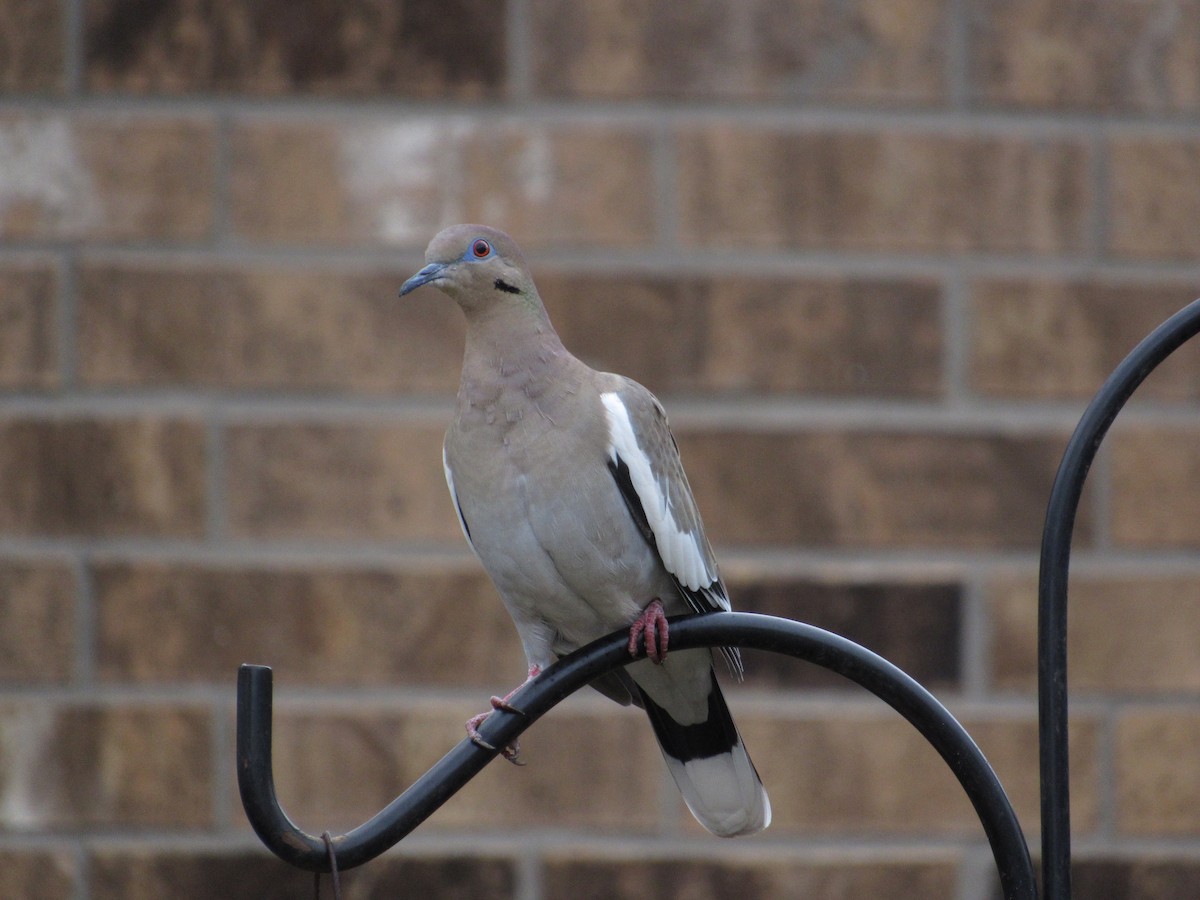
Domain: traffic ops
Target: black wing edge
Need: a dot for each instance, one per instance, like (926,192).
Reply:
(701,600)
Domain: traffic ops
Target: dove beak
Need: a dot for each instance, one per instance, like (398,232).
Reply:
(430,273)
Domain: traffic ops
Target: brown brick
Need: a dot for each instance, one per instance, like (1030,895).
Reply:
(915,626)
(581,768)
(111,179)
(81,767)
(575,878)
(323,626)
(870,773)
(890,191)
(45,874)
(1109,56)
(360,48)
(863,51)
(32,44)
(264,329)
(1155,202)
(37,607)
(1047,339)
(152,874)
(1149,877)
(399,182)
(339,481)
(28,355)
(1124,634)
(1158,783)
(872,488)
(101,477)
(1156,487)
(752,334)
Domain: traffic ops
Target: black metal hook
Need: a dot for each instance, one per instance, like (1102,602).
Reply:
(573,672)
(1052,586)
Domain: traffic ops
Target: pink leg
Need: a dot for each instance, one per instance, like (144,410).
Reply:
(651,627)
(513,752)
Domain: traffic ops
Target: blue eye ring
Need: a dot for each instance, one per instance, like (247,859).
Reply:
(481,249)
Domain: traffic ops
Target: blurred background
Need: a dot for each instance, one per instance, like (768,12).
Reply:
(874,255)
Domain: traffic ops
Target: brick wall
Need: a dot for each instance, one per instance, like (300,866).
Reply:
(874,255)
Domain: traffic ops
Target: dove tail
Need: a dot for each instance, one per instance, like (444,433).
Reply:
(711,767)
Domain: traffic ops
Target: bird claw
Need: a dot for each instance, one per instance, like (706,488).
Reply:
(513,751)
(651,627)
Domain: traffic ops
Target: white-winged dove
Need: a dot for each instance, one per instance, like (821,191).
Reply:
(568,487)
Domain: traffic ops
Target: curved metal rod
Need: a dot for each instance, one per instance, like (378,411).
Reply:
(1052,586)
(573,672)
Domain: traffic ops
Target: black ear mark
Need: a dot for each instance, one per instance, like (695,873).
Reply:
(502,285)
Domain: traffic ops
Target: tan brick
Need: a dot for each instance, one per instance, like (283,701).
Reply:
(82,767)
(453,50)
(890,191)
(320,626)
(1155,197)
(581,768)
(28,354)
(111,179)
(149,874)
(866,773)
(1123,634)
(45,874)
(398,182)
(1156,487)
(865,51)
(264,329)
(1047,339)
(578,878)
(1158,784)
(872,488)
(32,44)
(339,481)
(37,607)
(101,477)
(1109,56)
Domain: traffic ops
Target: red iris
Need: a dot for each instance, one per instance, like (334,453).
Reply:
(481,248)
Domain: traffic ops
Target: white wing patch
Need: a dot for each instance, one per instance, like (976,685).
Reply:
(462,523)
(680,550)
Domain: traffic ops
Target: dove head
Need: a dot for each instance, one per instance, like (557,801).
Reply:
(480,267)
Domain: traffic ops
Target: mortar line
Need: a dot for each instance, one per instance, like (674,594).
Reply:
(85,633)
(519,53)
(216,495)
(975,643)
(1099,225)
(958,55)
(83,869)
(223,764)
(74,48)
(664,164)
(529,871)
(956,336)
(1106,764)
(67,319)
(781,114)
(717,262)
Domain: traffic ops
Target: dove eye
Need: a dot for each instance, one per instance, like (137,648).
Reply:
(481,248)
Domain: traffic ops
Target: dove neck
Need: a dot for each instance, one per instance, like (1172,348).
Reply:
(515,334)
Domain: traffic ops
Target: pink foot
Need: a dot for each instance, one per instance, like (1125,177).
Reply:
(651,627)
(512,752)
